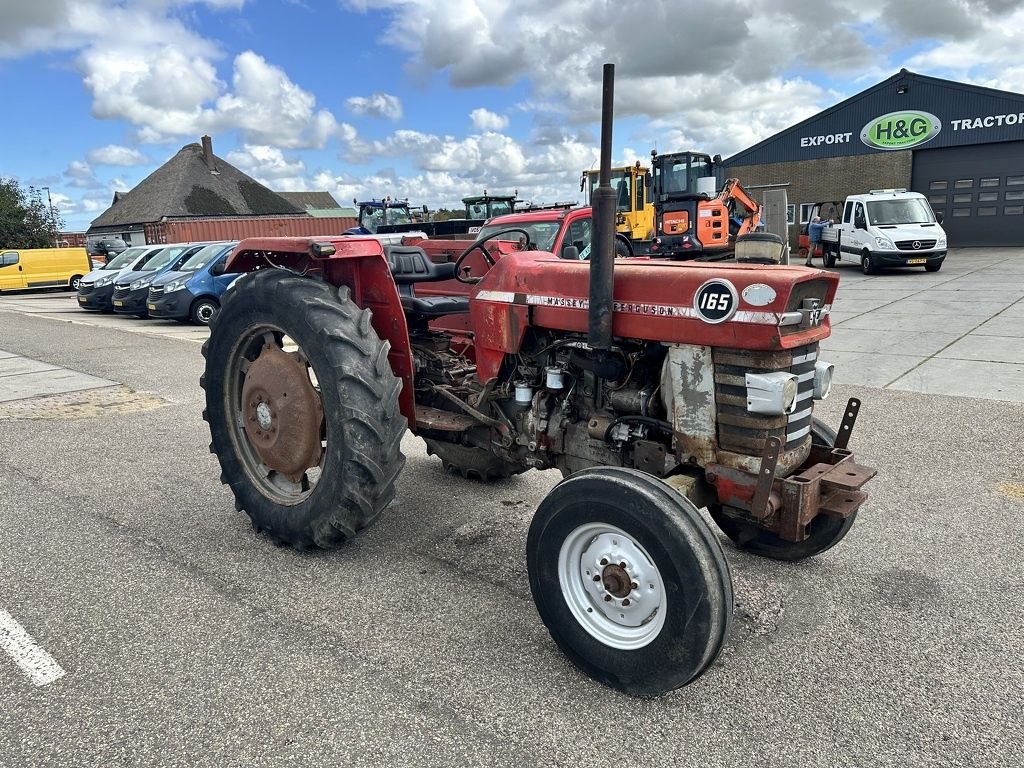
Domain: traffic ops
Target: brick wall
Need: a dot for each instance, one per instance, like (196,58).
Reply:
(832,178)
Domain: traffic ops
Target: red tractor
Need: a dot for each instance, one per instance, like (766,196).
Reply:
(655,387)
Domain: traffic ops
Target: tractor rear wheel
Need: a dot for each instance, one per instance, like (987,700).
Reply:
(303,408)
(825,530)
(629,580)
(472,462)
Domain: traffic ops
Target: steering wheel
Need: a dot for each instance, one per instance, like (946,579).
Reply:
(479,244)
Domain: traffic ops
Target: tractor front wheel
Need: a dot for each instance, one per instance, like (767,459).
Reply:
(825,530)
(629,580)
(303,408)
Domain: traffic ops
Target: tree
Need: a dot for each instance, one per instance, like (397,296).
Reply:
(26,221)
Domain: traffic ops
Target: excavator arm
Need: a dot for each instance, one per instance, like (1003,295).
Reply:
(741,206)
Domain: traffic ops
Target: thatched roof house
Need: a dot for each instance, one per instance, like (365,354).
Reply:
(195,183)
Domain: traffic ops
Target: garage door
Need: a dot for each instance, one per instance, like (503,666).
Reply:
(978,189)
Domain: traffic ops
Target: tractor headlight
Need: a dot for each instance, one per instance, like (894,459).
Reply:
(822,379)
(884,244)
(771,393)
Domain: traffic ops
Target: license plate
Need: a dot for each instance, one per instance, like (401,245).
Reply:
(917,261)
(118,303)
(151,306)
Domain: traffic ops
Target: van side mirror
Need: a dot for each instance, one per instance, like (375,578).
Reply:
(217,269)
(938,217)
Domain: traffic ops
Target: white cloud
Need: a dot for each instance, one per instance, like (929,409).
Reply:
(80,174)
(112,154)
(485,120)
(270,167)
(377,105)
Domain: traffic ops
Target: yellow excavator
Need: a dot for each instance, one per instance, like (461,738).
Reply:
(674,211)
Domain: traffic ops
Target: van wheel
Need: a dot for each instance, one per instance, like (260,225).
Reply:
(830,258)
(74,283)
(933,267)
(867,265)
(203,311)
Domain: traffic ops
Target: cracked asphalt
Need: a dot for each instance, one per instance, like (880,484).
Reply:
(190,641)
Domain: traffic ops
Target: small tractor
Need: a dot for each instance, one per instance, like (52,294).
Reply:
(657,388)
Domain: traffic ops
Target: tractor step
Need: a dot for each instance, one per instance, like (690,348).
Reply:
(443,421)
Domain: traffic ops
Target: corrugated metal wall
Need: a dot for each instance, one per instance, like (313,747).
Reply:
(199,230)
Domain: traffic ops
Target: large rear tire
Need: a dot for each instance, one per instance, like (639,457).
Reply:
(825,530)
(303,408)
(472,462)
(629,580)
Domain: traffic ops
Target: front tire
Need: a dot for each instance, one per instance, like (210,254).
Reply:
(830,258)
(867,264)
(825,530)
(629,580)
(303,409)
(75,283)
(203,311)
(933,267)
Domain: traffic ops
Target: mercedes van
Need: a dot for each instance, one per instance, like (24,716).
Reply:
(886,228)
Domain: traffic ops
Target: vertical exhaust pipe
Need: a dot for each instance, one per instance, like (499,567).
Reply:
(602,233)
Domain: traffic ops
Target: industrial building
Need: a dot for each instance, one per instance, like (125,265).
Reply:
(960,145)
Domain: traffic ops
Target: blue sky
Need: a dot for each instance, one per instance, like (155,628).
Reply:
(436,99)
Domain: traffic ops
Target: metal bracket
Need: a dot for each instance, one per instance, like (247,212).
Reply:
(765,477)
(846,426)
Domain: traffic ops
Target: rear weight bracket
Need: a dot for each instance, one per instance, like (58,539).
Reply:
(846,426)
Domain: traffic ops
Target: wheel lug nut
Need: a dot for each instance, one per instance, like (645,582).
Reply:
(625,602)
(604,561)
(634,586)
(622,565)
(597,578)
(607,598)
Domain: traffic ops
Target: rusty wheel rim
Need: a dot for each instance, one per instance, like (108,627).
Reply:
(278,424)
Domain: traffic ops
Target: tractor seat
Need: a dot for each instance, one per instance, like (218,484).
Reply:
(410,264)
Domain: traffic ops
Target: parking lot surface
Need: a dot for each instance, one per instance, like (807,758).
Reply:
(186,639)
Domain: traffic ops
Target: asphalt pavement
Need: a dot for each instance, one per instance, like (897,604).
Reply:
(187,640)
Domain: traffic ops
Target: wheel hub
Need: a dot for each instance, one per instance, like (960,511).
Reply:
(282,413)
(617,580)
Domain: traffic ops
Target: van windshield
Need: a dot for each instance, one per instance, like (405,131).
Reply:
(912,210)
(203,257)
(123,259)
(162,259)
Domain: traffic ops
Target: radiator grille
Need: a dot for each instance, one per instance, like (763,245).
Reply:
(156,291)
(742,432)
(908,245)
(120,291)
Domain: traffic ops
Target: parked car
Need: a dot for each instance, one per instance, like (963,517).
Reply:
(131,289)
(193,292)
(96,289)
(42,268)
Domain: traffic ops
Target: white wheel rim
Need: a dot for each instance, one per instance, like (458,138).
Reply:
(626,621)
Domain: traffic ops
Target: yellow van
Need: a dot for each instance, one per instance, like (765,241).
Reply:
(42,268)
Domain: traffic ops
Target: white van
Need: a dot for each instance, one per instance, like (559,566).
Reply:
(886,228)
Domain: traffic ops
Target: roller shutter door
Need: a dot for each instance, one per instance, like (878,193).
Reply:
(979,190)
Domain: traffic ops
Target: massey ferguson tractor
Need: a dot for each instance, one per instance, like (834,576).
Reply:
(657,388)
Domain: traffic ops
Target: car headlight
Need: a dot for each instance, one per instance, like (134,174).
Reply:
(771,393)
(138,284)
(822,379)
(177,285)
(885,244)
(105,281)
(941,242)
